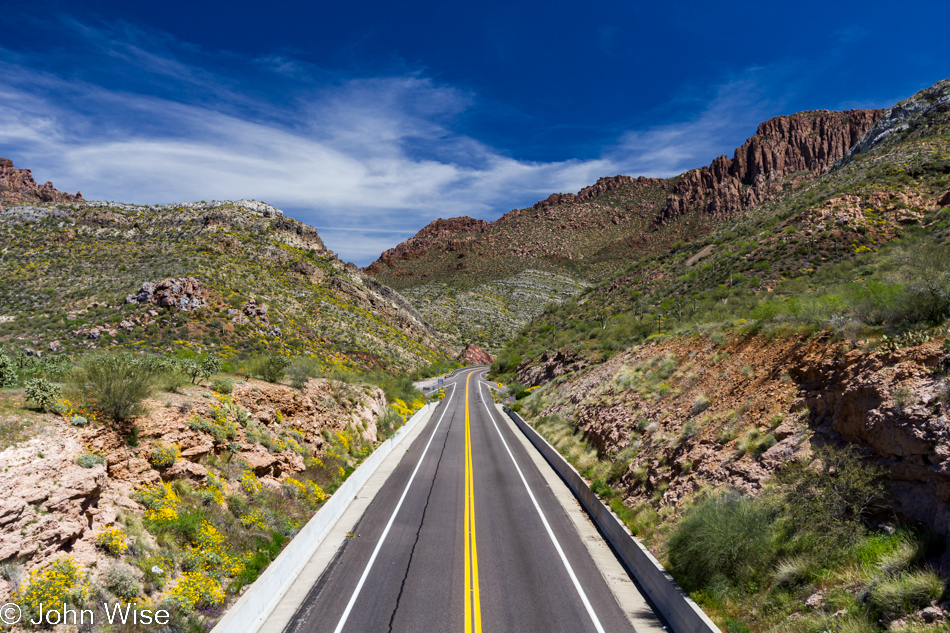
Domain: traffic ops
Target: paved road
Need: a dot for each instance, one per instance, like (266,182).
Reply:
(464,536)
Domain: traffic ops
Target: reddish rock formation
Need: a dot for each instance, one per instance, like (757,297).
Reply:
(474,355)
(419,244)
(806,143)
(785,151)
(602,186)
(17,187)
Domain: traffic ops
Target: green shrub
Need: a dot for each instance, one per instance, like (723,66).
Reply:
(725,536)
(271,368)
(7,371)
(120,581)
(200,369)
(387,422)
(42,392)
(113,384)
(89,460)
(223,385)
(700,404)
(754,442)
(901,557)
(301,370)
(906,593)
(163,456)
(78,420)
(830,501)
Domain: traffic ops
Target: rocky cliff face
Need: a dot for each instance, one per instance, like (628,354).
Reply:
(17,186)
(925,108)
(784,151)
(474,355)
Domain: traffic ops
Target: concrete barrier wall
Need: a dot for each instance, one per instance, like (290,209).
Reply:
(252,609)
(683,615)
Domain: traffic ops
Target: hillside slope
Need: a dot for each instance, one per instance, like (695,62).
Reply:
(238,278)
(586,237)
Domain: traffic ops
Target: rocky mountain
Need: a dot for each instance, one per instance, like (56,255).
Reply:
(17,186)
(785,151)
(568,241)
(238,278)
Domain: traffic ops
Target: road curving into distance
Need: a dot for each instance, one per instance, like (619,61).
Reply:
(465,535)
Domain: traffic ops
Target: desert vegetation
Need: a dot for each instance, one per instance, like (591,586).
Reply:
(212,521)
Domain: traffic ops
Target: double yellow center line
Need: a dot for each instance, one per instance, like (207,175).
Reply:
(473,610)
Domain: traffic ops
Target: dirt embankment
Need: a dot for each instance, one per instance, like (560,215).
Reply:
(693,413)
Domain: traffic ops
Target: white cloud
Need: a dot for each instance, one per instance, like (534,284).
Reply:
(373,152)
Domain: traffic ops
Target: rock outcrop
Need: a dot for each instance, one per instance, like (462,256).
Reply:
(794,392)
(47,501)
(905,118)
(17,187)
(419,244)
(475,355)
(796,147)
(602,186)
(185,294)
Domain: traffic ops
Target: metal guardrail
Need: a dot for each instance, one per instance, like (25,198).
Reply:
(252,609)
(683,615)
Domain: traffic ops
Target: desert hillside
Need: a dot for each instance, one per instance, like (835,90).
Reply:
(553,250)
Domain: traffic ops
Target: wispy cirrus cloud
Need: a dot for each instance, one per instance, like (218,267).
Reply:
(370,160)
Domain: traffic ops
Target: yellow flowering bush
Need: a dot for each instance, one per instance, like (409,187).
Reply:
(112,540)
(214,489)
(309,492)
(249,482)
(160,502)
(196,589)
(164,455)
(253,519)
(404,410)
(400,407)
(60,583)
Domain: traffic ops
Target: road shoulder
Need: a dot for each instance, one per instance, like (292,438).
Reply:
(634,606)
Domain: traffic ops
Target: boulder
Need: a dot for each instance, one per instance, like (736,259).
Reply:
(185,293)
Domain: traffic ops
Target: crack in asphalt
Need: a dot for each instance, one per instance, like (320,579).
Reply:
(425,509)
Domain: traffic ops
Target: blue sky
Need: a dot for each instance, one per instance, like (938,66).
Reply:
(370,119)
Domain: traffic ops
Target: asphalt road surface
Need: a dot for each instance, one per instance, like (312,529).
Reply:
(465,535)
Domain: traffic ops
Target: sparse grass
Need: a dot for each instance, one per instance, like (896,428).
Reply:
(905,593)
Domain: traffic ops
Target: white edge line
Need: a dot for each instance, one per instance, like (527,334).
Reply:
(557,546)
(382,538)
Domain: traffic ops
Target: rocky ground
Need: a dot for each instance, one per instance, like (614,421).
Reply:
(693,412)
(51,502)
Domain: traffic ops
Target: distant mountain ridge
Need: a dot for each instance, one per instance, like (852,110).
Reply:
(596,233)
